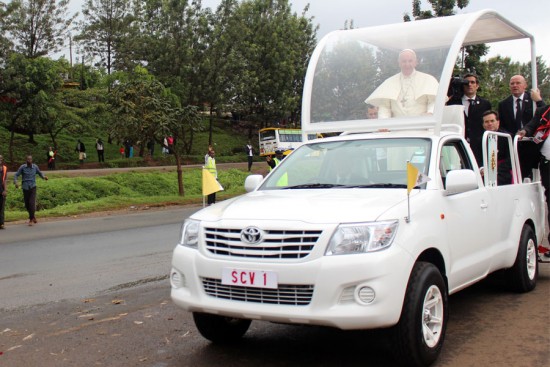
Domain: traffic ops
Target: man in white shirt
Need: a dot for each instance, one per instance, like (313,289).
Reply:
(407,93)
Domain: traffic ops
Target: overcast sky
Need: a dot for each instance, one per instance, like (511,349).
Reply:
(530,15)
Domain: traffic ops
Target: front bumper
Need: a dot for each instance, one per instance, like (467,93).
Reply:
(335,281)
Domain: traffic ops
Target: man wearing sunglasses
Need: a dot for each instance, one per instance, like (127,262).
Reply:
(474,106)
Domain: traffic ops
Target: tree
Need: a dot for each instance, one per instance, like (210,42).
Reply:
(144,109)
(6,43)
(39,27)
(339,92)
(501,69)
(30,97)
(220,60)
(172,44)
(105,29)
(273,46)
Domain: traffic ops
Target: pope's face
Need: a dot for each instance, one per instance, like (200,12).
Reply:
(407,62)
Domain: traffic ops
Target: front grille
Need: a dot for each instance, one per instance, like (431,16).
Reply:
(285,294)
(276,244)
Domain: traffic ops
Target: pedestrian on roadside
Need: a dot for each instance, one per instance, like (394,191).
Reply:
(28,173)
(127,145)
(249,149)
(81,150)
(151,147)
(3,189)
(100,150)
(51,158)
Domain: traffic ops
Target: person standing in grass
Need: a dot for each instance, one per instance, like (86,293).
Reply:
(100,150)
(28,173)
(81,150)
(3,189)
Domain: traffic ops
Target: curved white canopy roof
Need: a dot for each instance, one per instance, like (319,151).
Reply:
(348,67)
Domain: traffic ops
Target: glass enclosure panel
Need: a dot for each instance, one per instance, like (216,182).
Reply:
(352,76)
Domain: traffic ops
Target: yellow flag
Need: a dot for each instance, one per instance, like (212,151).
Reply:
(209,183)
(412,176)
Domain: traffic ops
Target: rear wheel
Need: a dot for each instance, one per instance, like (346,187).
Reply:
(419,335)
(523,274)
(220,329)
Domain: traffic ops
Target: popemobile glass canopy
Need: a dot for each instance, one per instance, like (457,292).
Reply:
(395,76)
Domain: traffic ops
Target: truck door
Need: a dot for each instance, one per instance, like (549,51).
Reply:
(467,220)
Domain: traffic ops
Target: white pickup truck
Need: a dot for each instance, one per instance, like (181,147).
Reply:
(337,236)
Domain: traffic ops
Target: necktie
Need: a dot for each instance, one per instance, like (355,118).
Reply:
(471,100)
(518,114)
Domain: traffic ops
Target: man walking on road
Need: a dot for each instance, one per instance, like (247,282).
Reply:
(28,173)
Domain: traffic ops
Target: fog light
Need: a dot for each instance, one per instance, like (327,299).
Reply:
(365,295)
(177,280)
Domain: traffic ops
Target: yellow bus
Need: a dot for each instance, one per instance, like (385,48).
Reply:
(274,138)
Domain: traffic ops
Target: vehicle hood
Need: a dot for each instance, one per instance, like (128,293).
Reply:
(312,206)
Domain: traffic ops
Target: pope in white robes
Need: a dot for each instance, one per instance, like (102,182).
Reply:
(408,93)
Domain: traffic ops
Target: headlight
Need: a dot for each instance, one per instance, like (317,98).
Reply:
(359,238)
(190,233)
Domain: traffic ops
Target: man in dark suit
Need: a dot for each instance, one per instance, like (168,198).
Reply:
(474,106)
(515,112)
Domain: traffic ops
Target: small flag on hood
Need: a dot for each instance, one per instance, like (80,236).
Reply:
(414,177)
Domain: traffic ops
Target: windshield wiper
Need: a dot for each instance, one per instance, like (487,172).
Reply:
(378,185)
(314,186)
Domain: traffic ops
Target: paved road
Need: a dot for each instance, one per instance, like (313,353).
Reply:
(76,258)
(93,292)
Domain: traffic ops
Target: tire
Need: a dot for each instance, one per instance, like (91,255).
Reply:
(524,273)
(220,329)
(419,334)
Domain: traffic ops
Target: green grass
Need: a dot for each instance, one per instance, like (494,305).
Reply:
(68,196)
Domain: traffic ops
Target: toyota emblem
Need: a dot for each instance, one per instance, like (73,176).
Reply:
(252,235)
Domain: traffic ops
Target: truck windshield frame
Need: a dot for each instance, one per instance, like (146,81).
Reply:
(360,163)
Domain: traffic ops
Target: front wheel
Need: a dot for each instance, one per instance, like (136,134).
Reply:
(523,274)
(419,334)
(220,329)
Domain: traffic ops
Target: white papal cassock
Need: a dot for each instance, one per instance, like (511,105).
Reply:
(401,95)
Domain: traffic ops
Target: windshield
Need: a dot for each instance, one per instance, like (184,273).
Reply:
(351,164)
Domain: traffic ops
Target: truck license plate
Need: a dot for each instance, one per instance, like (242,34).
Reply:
(249,278)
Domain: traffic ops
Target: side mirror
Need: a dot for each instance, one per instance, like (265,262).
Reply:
(459,181)
(252,182)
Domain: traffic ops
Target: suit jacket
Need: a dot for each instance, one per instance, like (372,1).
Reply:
(474,123)
(528,152)
(506,112)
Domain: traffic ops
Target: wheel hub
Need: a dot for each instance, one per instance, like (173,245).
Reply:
(432,316)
